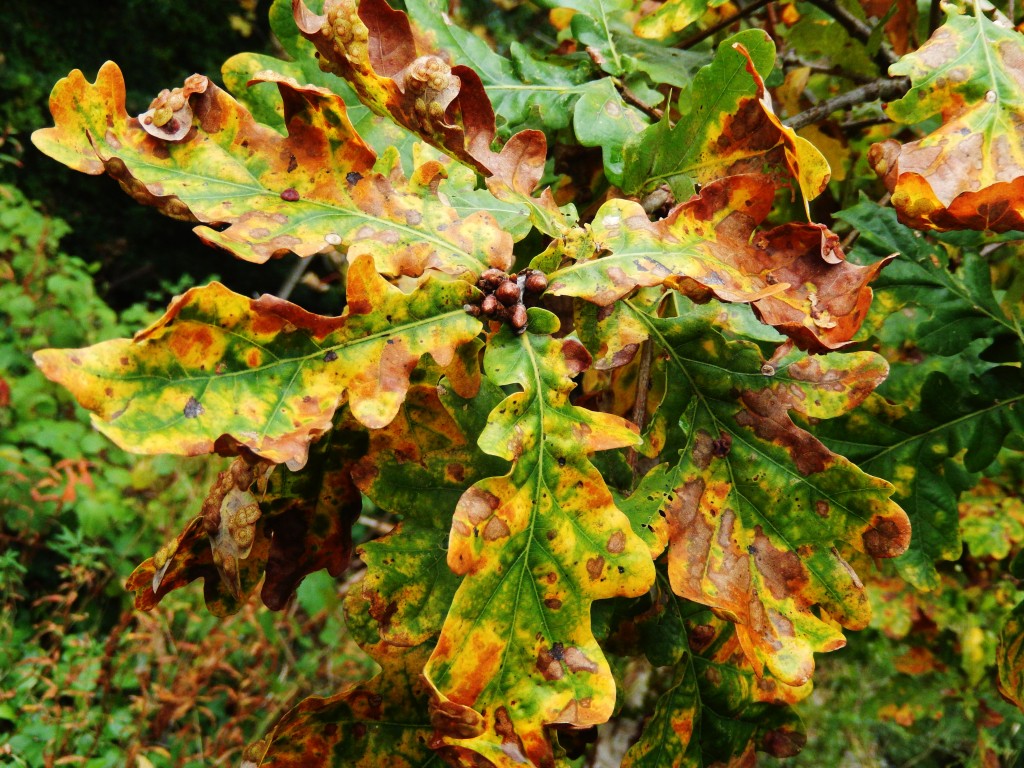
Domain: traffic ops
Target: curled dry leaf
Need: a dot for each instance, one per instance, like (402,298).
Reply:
(226,546)
(969,172)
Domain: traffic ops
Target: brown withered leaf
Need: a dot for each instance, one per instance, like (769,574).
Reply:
(372,46)
(310,514)
(225,546)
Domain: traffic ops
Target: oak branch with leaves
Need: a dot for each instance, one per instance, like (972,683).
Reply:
(646,426)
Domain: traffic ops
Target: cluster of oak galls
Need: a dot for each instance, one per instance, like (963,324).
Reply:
(504,294)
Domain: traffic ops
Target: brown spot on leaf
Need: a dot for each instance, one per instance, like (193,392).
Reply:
(193,409)
(821,507)
(553,603)
(700,637)
(595,567)
(576,356)
(616,543)
(577,661)
(496,528)
(548,665)
(887,537)
(478,504)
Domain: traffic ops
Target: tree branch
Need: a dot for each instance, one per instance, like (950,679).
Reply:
(883,88)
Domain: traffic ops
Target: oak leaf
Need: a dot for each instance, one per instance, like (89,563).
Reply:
(727,127)
(754,509)
(794,275)
(419,466)
(535,548)
(716,711)
(226,546)
(220,370)
(969,172)
(310,191)
(372,46)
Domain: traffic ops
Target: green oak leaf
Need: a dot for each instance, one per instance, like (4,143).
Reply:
(727,126)
(535,548)
(418,467)
(753,508)
(219,369)
(931,450)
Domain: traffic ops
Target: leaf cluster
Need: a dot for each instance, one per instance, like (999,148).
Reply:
(635,401)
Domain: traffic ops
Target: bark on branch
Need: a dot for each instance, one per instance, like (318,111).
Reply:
(885,88)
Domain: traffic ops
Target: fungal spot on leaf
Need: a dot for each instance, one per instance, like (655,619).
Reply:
(553,603)
(548,665)
(495,529)
(722,445)
(886,537)
(290,195)
(616,543)
(577,661)
(193,409)
(821,507)
(331,356)
(478,505)
(595,567)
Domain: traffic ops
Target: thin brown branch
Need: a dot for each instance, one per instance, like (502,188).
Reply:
(631,98)
(643,384)
(883,88)
(724,24)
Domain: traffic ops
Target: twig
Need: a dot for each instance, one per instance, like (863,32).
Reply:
(631,98)
(375,525)
(868,122)
(293,277)
(883,88)
(857,29)
(752,8)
